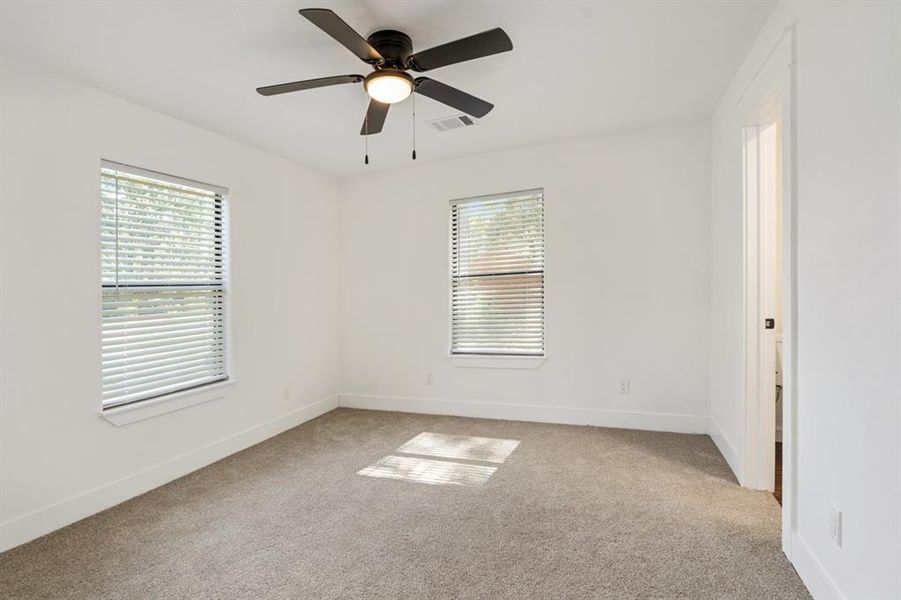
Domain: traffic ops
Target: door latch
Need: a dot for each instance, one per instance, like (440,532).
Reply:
(769,323)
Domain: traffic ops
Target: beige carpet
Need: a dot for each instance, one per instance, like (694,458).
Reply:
(570,512)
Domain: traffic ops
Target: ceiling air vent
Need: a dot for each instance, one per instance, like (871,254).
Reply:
(455,122)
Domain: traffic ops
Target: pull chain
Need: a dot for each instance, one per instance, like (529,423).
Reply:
(366,138)
(414,126)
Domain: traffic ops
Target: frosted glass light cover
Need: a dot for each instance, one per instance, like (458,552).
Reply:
(389,89)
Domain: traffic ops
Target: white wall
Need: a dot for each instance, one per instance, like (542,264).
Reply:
(849,317)
(627,283)
(59,460)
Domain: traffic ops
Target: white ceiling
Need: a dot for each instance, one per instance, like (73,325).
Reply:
(577,68)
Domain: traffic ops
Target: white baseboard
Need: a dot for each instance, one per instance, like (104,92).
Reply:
(521,412)
(812,573)
(50,518)
(725,446)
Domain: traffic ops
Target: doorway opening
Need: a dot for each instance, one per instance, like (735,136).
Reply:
(768,453)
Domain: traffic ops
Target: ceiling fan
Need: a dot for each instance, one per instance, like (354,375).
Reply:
(390,53)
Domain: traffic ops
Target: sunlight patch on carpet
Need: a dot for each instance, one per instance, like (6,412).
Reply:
(463,447)
(438,470)
(425,470)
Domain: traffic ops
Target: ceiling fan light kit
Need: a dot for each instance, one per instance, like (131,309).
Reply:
(390,53)
(388,86)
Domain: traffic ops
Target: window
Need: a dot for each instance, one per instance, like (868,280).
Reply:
(497,275)
(163,278)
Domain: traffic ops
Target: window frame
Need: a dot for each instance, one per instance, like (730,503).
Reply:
(493,361)
(136,410)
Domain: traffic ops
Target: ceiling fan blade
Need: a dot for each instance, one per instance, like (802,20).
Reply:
(453,97)
(375,118)
(343,33)
(308,84)
(482,44)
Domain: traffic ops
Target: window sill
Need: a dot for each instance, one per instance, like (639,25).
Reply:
(496,362)
(146,409)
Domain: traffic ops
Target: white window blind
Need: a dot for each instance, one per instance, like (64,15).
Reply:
(497,274)
(163,278)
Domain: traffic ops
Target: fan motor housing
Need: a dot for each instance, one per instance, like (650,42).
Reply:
(394,46)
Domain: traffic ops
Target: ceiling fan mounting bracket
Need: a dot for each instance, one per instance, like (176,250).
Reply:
(394,46)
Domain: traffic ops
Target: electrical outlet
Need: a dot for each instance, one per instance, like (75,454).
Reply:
(286,392)
(835,525)
(625,385)
(428,379)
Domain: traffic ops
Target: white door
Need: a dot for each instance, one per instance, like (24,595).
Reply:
(763,272)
